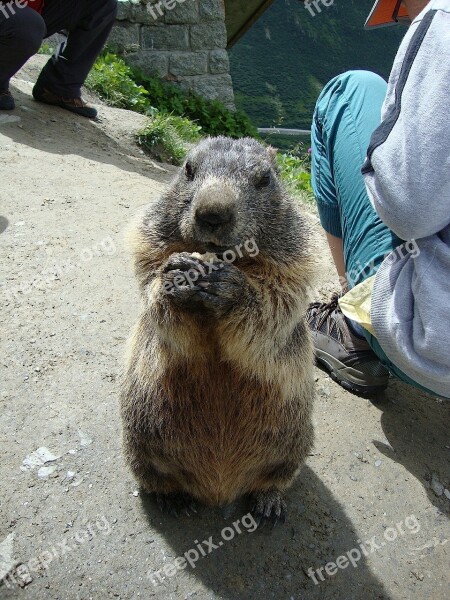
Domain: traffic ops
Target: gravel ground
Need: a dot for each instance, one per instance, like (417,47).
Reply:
(374,496)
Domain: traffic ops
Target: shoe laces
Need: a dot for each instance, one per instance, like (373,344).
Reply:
(322,310)
(321,317)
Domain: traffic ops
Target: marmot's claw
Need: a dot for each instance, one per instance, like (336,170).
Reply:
(192,282)
(182,262)
(176,503)
(269,506)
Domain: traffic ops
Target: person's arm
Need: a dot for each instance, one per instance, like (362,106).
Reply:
(407,173)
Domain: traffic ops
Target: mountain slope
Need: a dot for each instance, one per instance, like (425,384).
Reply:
(282,63)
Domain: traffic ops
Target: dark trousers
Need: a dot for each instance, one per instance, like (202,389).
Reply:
(22,31)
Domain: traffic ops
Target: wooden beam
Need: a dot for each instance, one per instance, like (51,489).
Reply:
(264,5)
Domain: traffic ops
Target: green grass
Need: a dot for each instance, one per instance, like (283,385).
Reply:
(167,137)
(46,49)
(113,81)
(295,171)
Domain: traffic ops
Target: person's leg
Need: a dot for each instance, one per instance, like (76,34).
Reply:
(347,112)
(21,33)
(89,23)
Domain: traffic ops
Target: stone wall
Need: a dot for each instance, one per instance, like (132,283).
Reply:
(182,41)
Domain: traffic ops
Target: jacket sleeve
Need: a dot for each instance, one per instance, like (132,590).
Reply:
(407,171)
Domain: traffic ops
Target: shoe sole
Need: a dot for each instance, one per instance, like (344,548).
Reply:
(347,377)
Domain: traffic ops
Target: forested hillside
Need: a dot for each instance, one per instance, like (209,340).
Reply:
(282,63)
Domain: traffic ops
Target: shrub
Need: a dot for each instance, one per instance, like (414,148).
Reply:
(211,115)
(124,87)
(166,137)
(113,80)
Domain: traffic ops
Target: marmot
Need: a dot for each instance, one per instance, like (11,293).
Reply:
(217,392)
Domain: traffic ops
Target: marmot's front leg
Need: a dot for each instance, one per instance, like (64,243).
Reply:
(269,506)
(196,284)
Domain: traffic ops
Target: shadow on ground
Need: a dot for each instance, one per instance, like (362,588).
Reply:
(56,131)
(416,427)
(271,563)
(3,224)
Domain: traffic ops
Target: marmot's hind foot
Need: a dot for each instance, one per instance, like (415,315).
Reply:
(176,504)
(269,507)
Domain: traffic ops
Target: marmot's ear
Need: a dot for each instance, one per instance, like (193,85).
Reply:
(272,154)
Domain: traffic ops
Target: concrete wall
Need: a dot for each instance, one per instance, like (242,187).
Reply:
(182,41)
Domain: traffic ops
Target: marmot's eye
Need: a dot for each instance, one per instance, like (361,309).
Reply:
(190,172)
(265,180)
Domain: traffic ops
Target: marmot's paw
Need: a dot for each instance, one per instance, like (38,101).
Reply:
(194,283)
(176,504)
(180,278)
(269,506)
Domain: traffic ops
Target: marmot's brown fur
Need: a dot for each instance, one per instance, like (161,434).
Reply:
(218,388)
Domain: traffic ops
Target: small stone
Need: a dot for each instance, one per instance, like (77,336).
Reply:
(40,457)
(23,577)
(135,493)
(436,485)
(45,472)
(85,440)
(77,483)
(353,478)
(378,463)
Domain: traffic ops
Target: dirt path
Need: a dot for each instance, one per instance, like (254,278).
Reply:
(377,476)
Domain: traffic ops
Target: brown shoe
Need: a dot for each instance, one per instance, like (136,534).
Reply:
(75,105)
(348,358)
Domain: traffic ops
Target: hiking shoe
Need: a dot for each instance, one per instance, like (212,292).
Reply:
(6,100)
(75,105)
(348,358)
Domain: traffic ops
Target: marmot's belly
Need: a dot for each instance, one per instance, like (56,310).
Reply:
(218,473)
(217,481)
(218,442)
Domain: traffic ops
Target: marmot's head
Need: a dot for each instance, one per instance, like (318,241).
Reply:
(227,193)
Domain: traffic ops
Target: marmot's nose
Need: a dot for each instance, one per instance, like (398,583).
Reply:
(213,216)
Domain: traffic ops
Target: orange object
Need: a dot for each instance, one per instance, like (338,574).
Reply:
(386,12)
